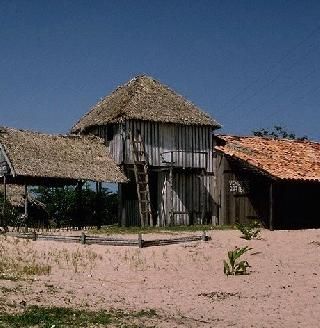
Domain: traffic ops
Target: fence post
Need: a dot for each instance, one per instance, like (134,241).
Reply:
(34,235)
(140,241)
(83,238)
(204,236)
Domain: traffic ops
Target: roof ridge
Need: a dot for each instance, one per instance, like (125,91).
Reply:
(144,98)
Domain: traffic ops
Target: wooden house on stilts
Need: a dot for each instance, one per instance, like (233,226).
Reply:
(164,144)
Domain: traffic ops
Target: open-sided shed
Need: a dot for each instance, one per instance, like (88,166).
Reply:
(31,158)
(274,180)
(28,157)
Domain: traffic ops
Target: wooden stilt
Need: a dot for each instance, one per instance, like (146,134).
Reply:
(202,196)
(26,206)
(171,215)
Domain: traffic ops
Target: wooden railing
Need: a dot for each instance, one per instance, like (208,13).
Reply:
(110,241)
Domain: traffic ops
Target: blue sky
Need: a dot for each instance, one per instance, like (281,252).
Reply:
(250,64)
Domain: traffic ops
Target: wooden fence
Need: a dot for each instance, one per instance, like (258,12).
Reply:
(99,240)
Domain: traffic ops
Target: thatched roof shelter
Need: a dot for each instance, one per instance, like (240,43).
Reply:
(144,98)
(40,158)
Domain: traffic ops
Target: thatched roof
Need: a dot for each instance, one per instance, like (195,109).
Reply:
(279,158)
(144,98)
(44,156)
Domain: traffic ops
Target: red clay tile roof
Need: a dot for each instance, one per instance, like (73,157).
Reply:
(280,158)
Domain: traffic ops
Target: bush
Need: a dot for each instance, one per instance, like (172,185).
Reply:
(250,230)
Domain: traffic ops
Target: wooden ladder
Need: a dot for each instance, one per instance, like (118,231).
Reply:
(142,179)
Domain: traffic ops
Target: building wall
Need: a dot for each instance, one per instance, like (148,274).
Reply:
(188,201)
(185,150)
(185,146)
(242,194)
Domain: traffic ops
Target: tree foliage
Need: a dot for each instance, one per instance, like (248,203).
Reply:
(10,215)
(68,207)
(277,132)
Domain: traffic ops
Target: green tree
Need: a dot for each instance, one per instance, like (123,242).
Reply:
(68,207)
(277,132)
(9,216)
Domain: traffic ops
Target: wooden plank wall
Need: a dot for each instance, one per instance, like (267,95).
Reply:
(240,195)
(193,167)
(190,202)
(192,146)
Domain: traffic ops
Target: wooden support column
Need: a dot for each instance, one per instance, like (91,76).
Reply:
(202,197)
(79,204)
(98,212)
(271,206)
(171,216)
(26,206)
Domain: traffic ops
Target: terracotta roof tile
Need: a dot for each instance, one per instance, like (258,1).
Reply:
(280,158)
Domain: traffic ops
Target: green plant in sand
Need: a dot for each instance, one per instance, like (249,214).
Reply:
(249,230)
(234,266)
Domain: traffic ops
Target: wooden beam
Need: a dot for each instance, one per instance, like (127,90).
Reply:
(271,206)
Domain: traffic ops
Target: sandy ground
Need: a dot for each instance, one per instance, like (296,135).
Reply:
(184,283)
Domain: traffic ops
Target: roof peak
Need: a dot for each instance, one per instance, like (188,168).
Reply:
(147,99)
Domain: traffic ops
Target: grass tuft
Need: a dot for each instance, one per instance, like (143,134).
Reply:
(48,317)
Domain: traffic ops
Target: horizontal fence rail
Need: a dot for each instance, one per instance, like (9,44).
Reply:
(110,241)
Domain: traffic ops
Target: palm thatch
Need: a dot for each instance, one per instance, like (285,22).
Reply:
(144,98)
(44,156)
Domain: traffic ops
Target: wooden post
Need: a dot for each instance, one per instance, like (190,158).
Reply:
(271,206)
(202,197)
(26,206)
(140,241)
(80,222)
(204,236)
(34,235)
(171,216)
(83,238)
